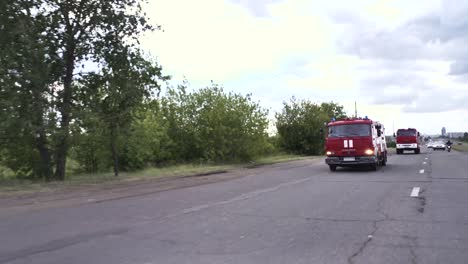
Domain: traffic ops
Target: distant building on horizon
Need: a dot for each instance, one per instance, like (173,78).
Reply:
(455,134)
(444,132)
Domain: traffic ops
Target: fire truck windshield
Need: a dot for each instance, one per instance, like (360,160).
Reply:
(410,133)
(349,130)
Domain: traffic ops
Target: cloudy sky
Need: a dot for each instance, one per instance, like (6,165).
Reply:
(404,62)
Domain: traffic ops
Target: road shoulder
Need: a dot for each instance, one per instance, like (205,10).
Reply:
(13,203)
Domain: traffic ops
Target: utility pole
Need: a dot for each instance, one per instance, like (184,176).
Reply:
(355,109)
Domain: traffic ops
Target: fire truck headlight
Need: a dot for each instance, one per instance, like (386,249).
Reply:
(369,152)
(329,153)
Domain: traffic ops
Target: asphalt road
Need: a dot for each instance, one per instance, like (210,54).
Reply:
(290,213)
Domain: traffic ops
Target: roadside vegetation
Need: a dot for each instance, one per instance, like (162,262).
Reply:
(20,185)
(465,137)
(300,125)
(80,101)
(462,145)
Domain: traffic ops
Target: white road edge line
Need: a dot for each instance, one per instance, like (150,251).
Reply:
(421,171)
(415,191)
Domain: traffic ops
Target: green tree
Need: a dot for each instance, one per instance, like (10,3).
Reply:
(84,31)
(148,142)
(211,125)
(43,45)
(126,80)
(89,143)
(27,74)
(301,122)
(465,136)
(333,110)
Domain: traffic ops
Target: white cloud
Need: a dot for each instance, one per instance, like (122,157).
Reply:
(392,56)
(257,7)
(212,39)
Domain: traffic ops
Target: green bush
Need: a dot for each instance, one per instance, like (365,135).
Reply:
(90,145)
(300,125)
(148,142)
(211,125)
(6,173)
(205,125)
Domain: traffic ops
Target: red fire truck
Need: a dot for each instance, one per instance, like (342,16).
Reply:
(407,139)
(355,142)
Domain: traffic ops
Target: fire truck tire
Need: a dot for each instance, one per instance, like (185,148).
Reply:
(373,167)
(417,151)
(332,167)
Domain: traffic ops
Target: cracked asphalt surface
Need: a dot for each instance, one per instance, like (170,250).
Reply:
(290,213)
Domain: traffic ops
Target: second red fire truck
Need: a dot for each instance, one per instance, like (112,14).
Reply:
(407,139)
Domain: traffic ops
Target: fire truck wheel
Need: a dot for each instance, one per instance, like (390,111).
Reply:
(332,167)
(373,167)
(417,151)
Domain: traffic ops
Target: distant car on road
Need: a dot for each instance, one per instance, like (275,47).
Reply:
(438,145)
(430,144)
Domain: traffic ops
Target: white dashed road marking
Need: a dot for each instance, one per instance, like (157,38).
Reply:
(415,191)
(421,171)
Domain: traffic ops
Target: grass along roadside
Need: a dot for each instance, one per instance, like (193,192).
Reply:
(462,148)
(15,186)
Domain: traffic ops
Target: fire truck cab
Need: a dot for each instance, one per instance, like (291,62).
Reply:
(355,142)
(407,139)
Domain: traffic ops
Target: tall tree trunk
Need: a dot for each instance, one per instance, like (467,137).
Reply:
(65,111)
(45,166)
(62,148)
(115,153)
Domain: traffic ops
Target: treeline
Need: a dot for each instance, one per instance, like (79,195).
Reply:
(52,109)
(465,137)
(301,125)
(206,125)
(46,47)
